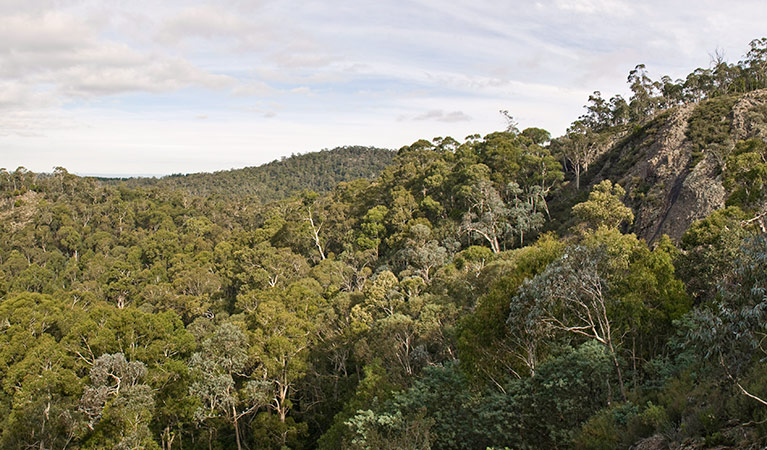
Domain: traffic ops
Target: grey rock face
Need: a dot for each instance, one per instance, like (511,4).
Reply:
(666,186)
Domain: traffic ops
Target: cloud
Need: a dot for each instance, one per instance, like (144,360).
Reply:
(442,116)
(598,7)
(148,74)
(10,7)
(301,55)
(41,33)
(49,58)
(15,95)
(253,34)
(302,90)
(205,21)
(56,49)
(253,87)
(34,123)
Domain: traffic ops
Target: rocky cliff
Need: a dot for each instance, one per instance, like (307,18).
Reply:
(672,166)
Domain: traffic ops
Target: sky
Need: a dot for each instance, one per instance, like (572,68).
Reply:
(137,87)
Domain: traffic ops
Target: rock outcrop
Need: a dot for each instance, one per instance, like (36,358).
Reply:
(672,174)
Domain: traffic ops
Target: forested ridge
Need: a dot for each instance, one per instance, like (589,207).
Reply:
(316,171)
(503,291)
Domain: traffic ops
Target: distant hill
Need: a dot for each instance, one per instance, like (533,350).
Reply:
(317,171)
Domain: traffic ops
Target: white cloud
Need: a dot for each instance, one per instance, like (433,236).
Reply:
(31,124)
(49,58)
(442,116)
(253,88)
(16,96)
(205,21)
(42,33)
(599,7)
(147,75)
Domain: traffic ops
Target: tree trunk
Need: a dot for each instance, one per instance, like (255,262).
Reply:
(236,428)
(282,396)
(617,370)
(494,246)
(577,176)
(316,234)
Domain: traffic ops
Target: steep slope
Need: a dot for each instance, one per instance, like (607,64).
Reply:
(672,166)
(317,171)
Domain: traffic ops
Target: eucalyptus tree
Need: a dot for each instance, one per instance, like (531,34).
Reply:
(572,296)
(487,216)
(732,329)
(579,146)
(221,381)
(118,404)
(604,207)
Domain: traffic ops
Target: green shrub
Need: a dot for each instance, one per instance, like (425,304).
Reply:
(709,124)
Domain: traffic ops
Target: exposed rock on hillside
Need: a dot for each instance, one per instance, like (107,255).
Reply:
(750,116)
(671,167)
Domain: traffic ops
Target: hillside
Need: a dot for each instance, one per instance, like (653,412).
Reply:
(316,171)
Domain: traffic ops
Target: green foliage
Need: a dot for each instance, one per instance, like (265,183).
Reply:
(745,176)
(389,431)
(603,430)
(710,248)
(546,410)
(473,258)
(609,289)
(439,410)
(732,329)
(373,389)
(118,405)
(622,425)
(604,207)
(483,339)
(709,127)
(441,401)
